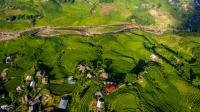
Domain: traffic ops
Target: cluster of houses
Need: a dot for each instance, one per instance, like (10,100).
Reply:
(39,76)
(3,75)
(104,78)
(102,74)
(31,82)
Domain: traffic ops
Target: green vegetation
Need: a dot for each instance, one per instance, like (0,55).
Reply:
(128,71)
(18,15)
(157,84)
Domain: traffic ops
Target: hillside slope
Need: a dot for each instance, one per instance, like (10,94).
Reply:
(23,14)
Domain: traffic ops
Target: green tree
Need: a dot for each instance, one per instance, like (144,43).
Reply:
(196,81)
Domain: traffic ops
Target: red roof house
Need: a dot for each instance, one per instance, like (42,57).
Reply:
(110,88)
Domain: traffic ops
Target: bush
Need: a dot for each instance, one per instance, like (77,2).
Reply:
(106,1)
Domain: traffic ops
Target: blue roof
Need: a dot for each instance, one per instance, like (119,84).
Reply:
(72,81)
(63,103)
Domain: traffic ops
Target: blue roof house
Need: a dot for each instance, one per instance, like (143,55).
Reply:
(63,103)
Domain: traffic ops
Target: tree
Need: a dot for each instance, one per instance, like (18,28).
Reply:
(196,81)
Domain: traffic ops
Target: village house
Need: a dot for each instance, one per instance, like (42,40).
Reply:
(33,84)
(81,68)
(103,74)
(3,95)
(45,80)
(31,109)
(34,105)
(25,98)
(3,76)
(110,88)
(89,76)
(7,107)
(71,80)
(20,88)
(154,57)
(63,103)
(40,73)
(8,59)
(98,94)
(88,68)
(28,79)
(100,105)
(129,84)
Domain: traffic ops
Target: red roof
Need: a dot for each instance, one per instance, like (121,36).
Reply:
(110,88)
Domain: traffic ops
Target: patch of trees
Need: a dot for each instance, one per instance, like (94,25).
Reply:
(67,1)
(196,52)
(32,18)
(106,1)
(142,19)
(196,82)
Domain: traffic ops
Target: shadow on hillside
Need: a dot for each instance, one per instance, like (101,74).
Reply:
(193,23)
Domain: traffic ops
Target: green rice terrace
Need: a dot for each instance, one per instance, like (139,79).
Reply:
(99,56)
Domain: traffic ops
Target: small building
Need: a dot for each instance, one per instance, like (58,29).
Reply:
(7,107)
(40,73)
(104,75)
(71,80)
(34,102)
(3,76)
(81,68)
(101,71)
(31,109)
(33,84)
(100,105)
(63,103)
(8,59)
(28,79)
(154,57)
(88,68)
(98,94)
(20,88)
(34,105)
(129,84)
(3,95)
(4,107)
(25,98)
(89,76)
(110,88)
(45,80)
